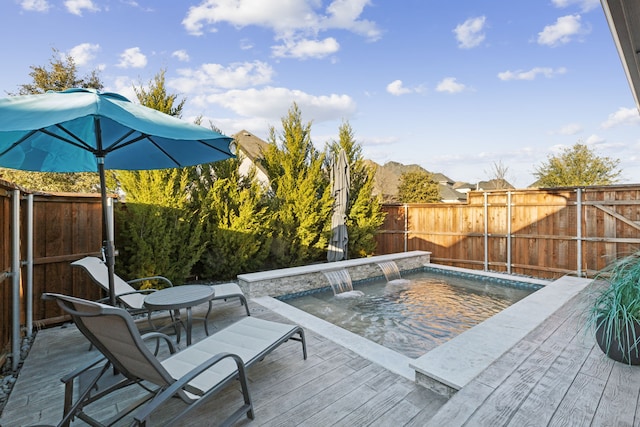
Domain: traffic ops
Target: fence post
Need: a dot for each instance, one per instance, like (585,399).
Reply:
(579,230)
(486,231)
(509,232)
(15,280)
(406,227)
(29,264)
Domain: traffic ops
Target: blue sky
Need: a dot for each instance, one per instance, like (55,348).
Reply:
(455,87)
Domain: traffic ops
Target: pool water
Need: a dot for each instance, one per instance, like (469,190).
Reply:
(415,314)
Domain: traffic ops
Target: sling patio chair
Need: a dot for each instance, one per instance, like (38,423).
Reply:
(132,299)
(193,374)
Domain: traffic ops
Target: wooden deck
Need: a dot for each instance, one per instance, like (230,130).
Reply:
(555,376)
(333,386)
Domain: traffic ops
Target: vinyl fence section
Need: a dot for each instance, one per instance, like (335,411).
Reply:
(61,229)
(543,233)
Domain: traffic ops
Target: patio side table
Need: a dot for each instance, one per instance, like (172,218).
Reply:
(179,297)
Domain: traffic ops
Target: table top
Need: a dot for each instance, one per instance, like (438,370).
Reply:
(177,297)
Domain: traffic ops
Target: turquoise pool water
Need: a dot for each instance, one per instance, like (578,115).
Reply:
(416,314)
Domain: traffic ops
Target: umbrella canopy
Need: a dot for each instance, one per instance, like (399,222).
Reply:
(340,182)
(83,130)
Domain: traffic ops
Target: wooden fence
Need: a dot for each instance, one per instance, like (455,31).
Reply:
(541,233)
(64,228)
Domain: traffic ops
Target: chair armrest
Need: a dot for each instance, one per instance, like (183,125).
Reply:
(144,413)
(71,375)
(158,336)
(142,279)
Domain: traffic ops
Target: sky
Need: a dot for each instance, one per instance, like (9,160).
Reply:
(457,87)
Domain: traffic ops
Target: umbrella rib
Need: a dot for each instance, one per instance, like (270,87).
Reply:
(18,142)
(80,143)
(214,147)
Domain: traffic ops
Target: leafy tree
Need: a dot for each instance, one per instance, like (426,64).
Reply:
(364,211)
(418,187)
(159,228)
(575,166)
(61,75)
(301,198)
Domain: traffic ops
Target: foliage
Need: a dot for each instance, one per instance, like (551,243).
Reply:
(418,187)
(61,75)
(616,303)
(577,165)
(83,182)
(156,96)
(160,229)
(300,194)
(236,218)
(364,211)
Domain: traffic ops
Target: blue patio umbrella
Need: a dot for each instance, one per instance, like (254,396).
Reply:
(84,130)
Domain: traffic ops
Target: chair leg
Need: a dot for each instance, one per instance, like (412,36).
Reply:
(206,319)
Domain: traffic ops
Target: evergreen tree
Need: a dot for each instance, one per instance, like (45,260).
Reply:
(364,211)
(236,218)
(160,229)
(575,166)
(301,198)
(418,187)
(61,75)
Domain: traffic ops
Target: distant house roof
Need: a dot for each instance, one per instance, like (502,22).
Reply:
(494,184)
(441,178)
(251,145)
(449,195)
(252,149)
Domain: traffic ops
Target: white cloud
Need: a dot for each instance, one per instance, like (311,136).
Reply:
(296,23)
(531,74)
(397,88)
(624,116)
(470,33)
(35,5)
(270,103)
(211,77)
(132,58)
(450,85)
(181,54)
(83,53)
(124,86)
(562,32)
(585,5)
(77,6)
(305,48)
(570,129)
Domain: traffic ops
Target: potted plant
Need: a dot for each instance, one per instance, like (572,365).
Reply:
(615,312)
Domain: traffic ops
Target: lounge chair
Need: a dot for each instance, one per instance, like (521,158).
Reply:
(133,300)
(192,374)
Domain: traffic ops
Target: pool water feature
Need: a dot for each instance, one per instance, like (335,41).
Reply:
(416,315)
(341,284)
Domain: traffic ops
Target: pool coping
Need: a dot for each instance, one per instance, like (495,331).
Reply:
(452,365)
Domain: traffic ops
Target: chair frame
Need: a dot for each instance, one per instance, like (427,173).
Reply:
(164,386)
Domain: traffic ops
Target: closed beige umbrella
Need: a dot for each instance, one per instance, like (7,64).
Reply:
(340,182)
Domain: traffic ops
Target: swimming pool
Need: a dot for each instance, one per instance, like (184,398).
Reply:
(416,315)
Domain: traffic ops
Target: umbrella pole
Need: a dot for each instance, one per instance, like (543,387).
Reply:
(109,246)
